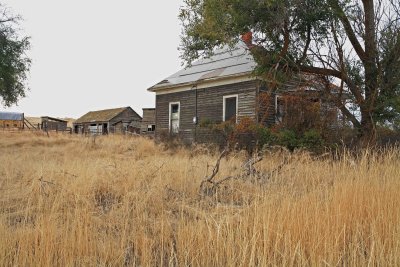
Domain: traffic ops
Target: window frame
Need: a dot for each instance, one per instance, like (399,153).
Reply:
(170,115)
(224,106)
(278,119)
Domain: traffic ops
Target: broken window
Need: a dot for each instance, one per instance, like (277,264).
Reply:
(93,128)
(174,117)
(151,128)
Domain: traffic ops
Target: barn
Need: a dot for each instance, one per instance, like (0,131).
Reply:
(117,120)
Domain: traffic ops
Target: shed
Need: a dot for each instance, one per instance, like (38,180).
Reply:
(11,120)
(53,124)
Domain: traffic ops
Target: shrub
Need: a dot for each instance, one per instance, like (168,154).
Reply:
(288,139)
(265,136)
(312,140)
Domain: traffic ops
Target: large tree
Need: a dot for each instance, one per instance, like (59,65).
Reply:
(14,63)
(354,44)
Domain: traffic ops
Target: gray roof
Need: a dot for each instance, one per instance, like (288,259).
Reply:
(103,115)
(225,62)
(11,116)
(100,115)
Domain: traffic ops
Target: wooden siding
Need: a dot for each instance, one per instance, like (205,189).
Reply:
(209,106)
(50,125)
(266,108)
(149,118)
(128,115)
(11,124)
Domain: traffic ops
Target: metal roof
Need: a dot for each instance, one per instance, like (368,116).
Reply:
(11,116)
(224,63)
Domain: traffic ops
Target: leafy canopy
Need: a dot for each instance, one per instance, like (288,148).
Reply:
(14,64)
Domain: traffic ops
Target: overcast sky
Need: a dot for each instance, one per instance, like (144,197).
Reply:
(96,54)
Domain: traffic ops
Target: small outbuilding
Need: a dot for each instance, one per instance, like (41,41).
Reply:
(11,120)
(117,120)
(53,124)
(148,125)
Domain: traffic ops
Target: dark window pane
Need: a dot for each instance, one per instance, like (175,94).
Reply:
(174,108)
(230,108)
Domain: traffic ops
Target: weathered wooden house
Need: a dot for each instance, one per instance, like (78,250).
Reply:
(148,125)
(218,89)
(11,120)
(118,120)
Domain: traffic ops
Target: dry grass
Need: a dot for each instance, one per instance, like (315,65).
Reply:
(113,201)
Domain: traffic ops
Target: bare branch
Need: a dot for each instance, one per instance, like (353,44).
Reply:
(349,30)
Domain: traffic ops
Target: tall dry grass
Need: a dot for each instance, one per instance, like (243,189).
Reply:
(114,201)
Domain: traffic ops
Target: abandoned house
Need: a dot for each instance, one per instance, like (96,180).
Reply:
(148,125)
(117,120)
(53,124)
(11,120)
(217,89)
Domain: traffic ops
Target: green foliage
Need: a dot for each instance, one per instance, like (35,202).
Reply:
(288,139)
(14,64)
(265,136)
(312,139)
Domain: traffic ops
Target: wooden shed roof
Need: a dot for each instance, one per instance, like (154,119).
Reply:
(100,115)
(52,119)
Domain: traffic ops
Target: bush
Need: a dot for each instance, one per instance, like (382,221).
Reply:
(288,139)
(249,135)
(265,136)
(312,140)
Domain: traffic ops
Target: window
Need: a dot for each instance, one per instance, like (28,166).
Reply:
(174,114)
(280,108)
(230,108)
(151,128)
(93,128)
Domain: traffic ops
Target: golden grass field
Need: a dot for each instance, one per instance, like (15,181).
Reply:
(124,201)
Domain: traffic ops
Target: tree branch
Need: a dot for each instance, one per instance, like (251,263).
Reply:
(308,41)
(349,30)
(335,73)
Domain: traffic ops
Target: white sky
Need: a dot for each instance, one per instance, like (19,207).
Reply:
(96,54)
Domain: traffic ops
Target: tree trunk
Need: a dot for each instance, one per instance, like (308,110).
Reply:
(367,130)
